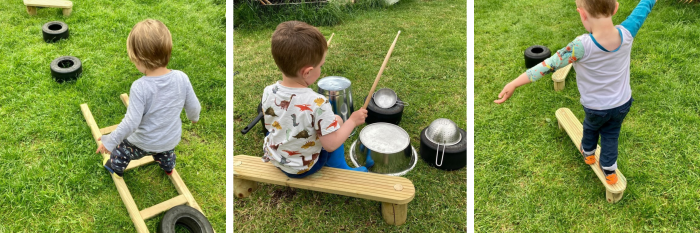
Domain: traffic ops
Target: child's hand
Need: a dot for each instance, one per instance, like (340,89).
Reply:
(359,116)
(101,148)
(505,93)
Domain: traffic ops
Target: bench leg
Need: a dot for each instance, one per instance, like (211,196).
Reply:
(613,197)
(558,86)
(394,214)
(31,10)
(243,188)
(67,11)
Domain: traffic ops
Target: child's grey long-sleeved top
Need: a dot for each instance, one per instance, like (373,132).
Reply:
(152,120)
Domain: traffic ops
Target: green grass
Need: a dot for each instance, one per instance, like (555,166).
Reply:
(530,177)
(426,69)
(51,179)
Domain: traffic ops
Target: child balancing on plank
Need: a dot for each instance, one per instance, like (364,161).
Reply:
(152,125)
(601,59)
(301,121)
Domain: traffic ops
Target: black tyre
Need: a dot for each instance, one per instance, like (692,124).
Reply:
(389,115)
(54,31)
(66,68)
(455,155)
(187,217)
(536,54)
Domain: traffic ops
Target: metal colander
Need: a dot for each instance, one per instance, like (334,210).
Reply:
(444,132)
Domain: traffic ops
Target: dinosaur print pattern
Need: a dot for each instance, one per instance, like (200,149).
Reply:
(298,117)
(333,124)
(285,104)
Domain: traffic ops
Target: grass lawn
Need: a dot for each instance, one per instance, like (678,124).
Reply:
(426,69)
(528,174)
(51,180)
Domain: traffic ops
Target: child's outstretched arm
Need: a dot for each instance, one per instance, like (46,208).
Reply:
(567,55)
(332,141)
(639,14)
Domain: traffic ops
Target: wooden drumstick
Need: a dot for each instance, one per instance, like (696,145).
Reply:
(328,43)
(376,80)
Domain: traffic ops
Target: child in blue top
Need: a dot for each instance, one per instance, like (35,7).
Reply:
(601,59)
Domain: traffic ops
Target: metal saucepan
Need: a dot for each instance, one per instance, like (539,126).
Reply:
(386,145)
(254,121)
(386,98)
(337,90)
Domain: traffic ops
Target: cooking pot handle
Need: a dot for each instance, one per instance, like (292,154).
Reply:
(252,123)
(438,152)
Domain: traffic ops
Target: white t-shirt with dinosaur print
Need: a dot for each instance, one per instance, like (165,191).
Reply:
(295,118)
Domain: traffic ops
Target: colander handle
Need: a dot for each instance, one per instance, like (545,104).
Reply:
(438,152)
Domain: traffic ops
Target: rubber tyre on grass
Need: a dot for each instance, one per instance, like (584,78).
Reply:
(389,115)
(536,54)
(185,216)
(54,31)
(455,155)
(66,68)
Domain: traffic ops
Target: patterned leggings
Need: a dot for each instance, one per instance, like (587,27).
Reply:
(125,152)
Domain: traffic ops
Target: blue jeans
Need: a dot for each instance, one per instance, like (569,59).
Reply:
(606,124)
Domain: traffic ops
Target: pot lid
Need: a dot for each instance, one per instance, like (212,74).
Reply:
(334,83)
(443,131)
(384,138)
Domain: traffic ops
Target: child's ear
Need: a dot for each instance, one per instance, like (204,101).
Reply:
(305,71)
(617,5)
(582,13)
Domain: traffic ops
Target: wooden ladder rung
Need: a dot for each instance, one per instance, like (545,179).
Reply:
(163,206)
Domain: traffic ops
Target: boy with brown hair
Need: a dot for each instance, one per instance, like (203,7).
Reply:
(304,134)
(152,125)
(601,59)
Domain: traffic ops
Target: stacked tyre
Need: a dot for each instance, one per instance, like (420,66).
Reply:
(455,156)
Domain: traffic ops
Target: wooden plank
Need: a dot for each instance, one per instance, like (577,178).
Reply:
(139,162)
(369,186)
(573,127)
(91,122)
(131,207)
(182,190)
(49,3)
(163,206)
(108,129)
(125,99)
(559,77)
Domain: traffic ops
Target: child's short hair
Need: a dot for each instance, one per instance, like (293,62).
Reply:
(149,44)
(598,8)
(296,45)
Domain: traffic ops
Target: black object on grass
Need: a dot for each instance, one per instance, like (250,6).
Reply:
(187,217)
(536,54)
(54,31)
(66,68)
(455,156)
(389,115)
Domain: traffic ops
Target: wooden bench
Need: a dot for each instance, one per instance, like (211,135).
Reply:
(139,217)
(393,192)
(559,77)
(573,127)
(33,4)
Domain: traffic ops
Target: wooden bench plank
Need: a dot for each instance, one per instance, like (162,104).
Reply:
(49,3)
(369,186)
(573,127)
(559,77)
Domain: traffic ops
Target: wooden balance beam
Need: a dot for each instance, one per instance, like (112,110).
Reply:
(33,4)
(393,192)
(559,77)
(573,127)
(139,217)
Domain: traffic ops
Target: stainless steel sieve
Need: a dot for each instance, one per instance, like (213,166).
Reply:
(443,131)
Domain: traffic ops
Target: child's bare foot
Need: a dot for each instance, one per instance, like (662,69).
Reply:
(588,157)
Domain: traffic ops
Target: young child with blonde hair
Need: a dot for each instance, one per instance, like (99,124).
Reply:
(152,125)
(601,59)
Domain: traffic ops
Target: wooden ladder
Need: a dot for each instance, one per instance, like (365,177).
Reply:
(139,217)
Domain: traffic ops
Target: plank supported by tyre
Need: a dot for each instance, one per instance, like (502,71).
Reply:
(185,216)
(536,54)
(54,31)
(66,68)
(389,115)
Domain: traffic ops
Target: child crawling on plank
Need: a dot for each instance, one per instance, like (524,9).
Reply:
(601,59)
(152,125)
(304,134)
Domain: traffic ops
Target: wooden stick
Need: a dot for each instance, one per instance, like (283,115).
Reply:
(376,80)
(328,43)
